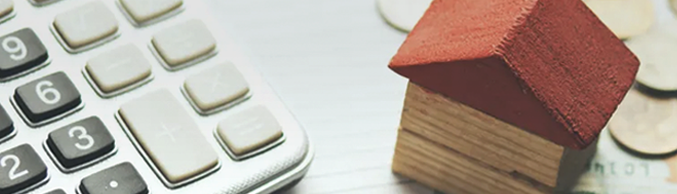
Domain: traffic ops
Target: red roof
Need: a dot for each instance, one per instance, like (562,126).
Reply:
(550,67)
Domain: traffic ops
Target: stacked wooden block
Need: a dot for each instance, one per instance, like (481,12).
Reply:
(455,148)
(507,96)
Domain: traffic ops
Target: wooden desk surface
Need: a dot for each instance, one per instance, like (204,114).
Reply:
(327,61)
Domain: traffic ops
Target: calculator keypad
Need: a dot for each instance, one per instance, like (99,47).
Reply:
(80,142)
(168,135)
(6,7)
(20,168)
(183,43)
(117,69)
(119,179)
(144,10)
(86,24)
(47,97)
(20,51)
(163,132)
(6,124)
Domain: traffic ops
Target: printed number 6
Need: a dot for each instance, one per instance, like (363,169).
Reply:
(42,94)
(17,52)
(12,171)
(83,135)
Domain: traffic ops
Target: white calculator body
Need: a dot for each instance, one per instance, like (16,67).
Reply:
(136,96)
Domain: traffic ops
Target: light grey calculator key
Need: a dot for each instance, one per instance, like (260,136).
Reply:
(56,191)
(85,24)
(169,137)
(42,2)
(184,42)
(249,130)
(6,7)
(117,69)
(144,10)
(215,86)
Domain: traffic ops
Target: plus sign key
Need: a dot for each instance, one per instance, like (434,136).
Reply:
(169,137)
(119,179)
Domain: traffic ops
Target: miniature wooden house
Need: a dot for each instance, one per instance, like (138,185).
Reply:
(507,96)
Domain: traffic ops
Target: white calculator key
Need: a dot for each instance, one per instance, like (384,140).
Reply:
(144,10)
(6,7)
(118,68)
(249,130)
(86,24)
(216,86)
(184,42)
(169,136)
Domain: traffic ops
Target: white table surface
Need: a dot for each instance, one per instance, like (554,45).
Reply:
(327,60)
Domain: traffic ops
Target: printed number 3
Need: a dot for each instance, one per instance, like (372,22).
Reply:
(17,51)
(12,171)
(83,135)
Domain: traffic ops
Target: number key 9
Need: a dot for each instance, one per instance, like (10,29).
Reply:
(20,51)
(47,98)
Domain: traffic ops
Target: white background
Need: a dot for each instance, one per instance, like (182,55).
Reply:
(327,60)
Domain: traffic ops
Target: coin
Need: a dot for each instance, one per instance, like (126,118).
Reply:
(646,125)
(626,18)
(657,53)
(403,14)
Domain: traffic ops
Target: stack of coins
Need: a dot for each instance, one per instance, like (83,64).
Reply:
(646,120)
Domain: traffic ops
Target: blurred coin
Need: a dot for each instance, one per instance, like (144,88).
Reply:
(646,125)
(403,14)
(657,53)
(626,18)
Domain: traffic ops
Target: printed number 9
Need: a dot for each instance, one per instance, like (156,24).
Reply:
(42,94)
(18,51)
(83,135)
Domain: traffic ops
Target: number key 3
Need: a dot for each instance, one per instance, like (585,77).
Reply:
(80,143)
(20,52)
(43,100)
(20,169)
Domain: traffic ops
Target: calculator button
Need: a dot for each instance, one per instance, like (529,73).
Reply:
(249,130)
(168,135)
(6,7)
(184,42)
(119,179)
(57,191)
(47,97)
(20,168)
(215,86)
(144,10)
(6,124)
(118,68)
(86,24)
(42,2)
(20,51)
(80,142)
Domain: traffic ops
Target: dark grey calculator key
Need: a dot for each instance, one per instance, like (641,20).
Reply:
(80,142)
(20,51)
(119,179)
(20,168)
(57,191)
(47,97)
(6,124)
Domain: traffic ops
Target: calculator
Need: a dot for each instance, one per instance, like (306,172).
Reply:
(136,97)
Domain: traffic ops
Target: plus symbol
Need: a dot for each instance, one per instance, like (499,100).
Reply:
(168,131)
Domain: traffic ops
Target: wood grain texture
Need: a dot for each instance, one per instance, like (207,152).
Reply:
(442,138)
(522,62)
